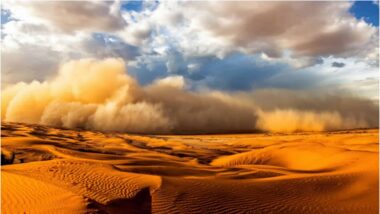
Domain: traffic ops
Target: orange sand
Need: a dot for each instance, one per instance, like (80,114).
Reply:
(50,170)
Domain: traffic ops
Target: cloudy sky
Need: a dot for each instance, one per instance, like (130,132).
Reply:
(227,46)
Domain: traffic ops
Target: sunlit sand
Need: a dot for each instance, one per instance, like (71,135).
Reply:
(49,170)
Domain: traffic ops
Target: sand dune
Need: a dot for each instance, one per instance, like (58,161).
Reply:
(299,156)
(23,194)
(50,170)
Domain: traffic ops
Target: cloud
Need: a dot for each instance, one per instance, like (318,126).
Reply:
(81,96)
(102,45)
(41,49)
(171,81)
(235,72)
(229,46)
(71,16)
(338,64)
(273,28)
(277,25)
(30,63)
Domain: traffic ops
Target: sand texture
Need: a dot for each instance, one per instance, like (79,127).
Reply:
(51,170)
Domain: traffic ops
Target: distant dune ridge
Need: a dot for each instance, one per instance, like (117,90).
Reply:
(52,170)
(100,95)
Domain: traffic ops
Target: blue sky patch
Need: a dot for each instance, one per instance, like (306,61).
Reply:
(132,6)
(367,10)
(6,16)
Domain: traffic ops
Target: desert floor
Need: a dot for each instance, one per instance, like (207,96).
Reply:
(49,170)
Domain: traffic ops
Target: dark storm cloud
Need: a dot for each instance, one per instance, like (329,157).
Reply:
(338,64)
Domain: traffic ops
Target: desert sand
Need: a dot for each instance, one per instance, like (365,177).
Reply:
(52,170)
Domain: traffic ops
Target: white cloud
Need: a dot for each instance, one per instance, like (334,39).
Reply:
(171,81)
(303,29)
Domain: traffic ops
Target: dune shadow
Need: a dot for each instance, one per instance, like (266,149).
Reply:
(141,203)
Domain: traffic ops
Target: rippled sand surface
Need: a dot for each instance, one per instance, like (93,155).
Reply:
(49,170)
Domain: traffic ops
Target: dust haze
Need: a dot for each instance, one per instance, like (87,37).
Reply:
(100,95)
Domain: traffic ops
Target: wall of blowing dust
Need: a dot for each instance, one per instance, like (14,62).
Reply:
(100,95)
